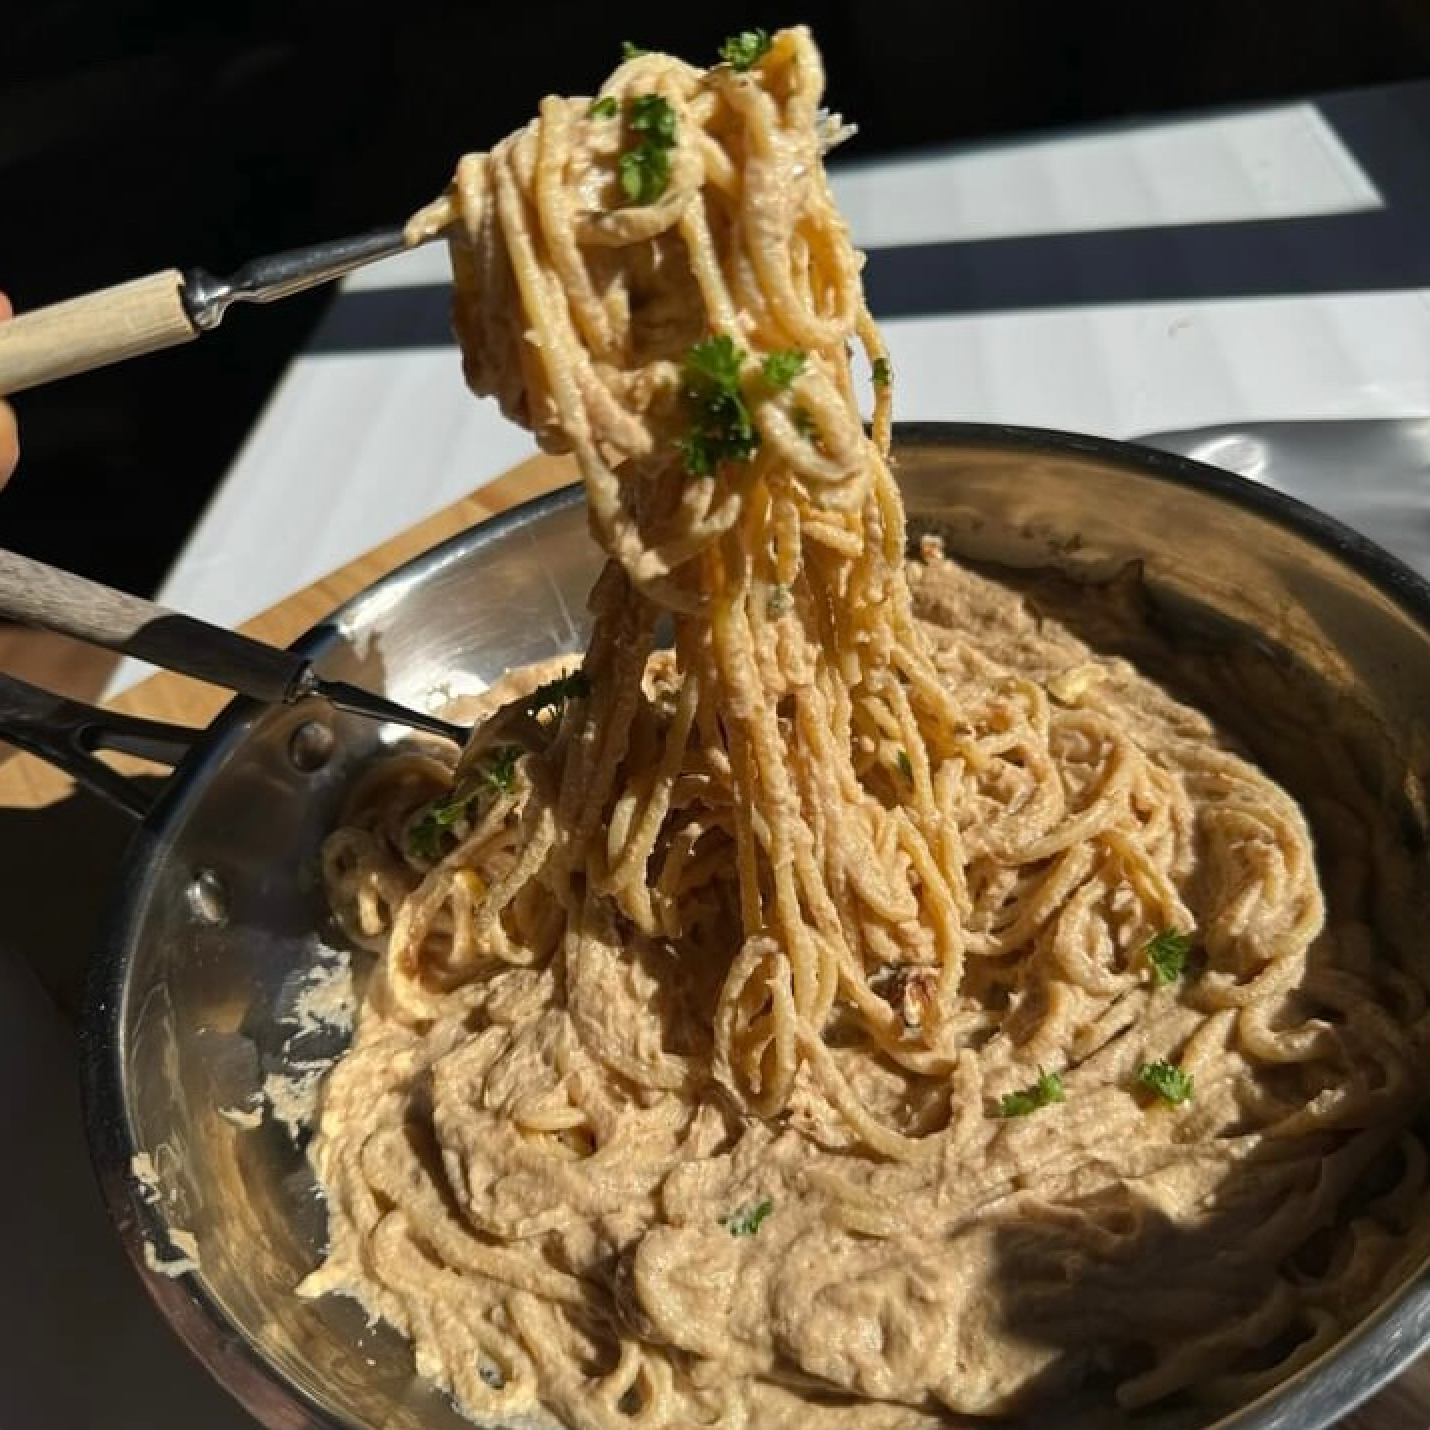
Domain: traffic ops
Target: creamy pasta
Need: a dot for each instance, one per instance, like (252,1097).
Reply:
(838,996)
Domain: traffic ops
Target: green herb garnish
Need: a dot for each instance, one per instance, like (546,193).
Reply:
(723,429)
(1167,955)
(746,1221)
(1048,1089)
(604,108)
(805,424)
(906,765)
(651,115)
(424,838)
(880,373)
(779,600)
(554,694)
(781,369)
(1167,1080)
(631,51)
(645,170)
(745,49)
(496,774)
(498,771)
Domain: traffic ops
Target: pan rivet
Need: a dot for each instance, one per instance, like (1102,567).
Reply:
(310,746)
(208,899)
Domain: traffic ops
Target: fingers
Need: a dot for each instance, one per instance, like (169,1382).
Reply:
(9,442)
(9,431)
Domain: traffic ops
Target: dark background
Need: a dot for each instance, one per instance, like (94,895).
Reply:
(141,134)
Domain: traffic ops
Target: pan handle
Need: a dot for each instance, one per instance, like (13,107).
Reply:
(66,733)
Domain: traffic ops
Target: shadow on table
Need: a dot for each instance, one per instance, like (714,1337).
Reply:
(82,1347)
(58,883)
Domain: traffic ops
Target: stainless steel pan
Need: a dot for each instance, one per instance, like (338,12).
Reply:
(194,999)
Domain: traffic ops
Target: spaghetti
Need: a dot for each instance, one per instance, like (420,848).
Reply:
(868,1005)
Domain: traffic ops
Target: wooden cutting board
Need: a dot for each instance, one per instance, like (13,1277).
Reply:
(28,784)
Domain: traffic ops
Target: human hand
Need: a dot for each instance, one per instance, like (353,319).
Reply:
(9,431)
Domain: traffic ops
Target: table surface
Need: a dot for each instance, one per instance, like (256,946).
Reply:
(1186,280)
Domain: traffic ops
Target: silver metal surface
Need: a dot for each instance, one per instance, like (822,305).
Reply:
(1371,473)
(185,1019)
(207,298)
(367,703)
(53,599)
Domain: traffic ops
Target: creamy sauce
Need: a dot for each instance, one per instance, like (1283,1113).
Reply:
(772,1260)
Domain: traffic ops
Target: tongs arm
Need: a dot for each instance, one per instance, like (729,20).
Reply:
(73,605)
(165,309)
(55,600)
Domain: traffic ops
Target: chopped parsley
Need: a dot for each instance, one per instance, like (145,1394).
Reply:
(424,838)
(1167,1080)
(746,1221)
(1167,955)
(645,169)
(881,374)
(631,51)
(747,48)
(495,775)
(779,600)
(498,772)
(723,429)
(604,108)
(651,115)
(554,694)
(780,369)
(1048,1089)
(906,765)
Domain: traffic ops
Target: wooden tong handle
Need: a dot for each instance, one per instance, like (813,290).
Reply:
(73,605)
(107,326)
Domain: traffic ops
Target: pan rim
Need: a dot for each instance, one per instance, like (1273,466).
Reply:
(1396,1333)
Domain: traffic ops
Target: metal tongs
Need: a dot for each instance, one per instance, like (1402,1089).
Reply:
(175,306)
(168,308)
(67,732)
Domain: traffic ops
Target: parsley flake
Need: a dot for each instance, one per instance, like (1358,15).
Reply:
(716,361)
(781,369)
(1167,1080)
(645,169)
(881,374)
(651,114)
(723,429)
(906,765)
(424,836)
(631,51)
(746,1221)
(604,108)
(779,600)
(498,772)
(747,48)
(554,694)
(1048,1089)
(1167,955)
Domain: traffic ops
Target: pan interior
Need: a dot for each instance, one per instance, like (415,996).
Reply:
(226,993)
